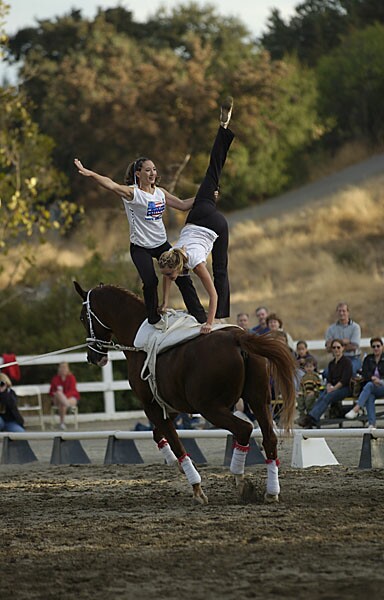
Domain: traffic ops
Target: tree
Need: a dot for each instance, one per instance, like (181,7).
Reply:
(318,26)
(351,84)
(121,97)
(32,191)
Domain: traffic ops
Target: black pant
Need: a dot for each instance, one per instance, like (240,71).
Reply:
(204,213)
(143,261)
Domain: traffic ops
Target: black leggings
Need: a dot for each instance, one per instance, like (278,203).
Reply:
(143,261)
(204,213)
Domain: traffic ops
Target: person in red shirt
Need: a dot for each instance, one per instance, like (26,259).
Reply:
(64,391)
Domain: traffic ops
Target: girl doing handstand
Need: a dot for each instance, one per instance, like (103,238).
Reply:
(206,231)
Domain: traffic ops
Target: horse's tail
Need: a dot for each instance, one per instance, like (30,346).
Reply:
(283,369)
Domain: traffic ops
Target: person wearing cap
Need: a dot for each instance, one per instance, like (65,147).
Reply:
(275,324)
(10,418)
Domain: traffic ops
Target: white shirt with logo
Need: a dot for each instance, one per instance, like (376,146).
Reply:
(145,217)
(198,243)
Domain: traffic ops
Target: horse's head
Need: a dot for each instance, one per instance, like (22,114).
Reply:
(98,334)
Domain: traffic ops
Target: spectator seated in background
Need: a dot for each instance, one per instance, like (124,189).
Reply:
(348,332)
(261,314)
(64,391)
(302,353)
(301,356)
(337,388)
(309,389)
(275,324)
(10,418)
(242,320)
(373,383)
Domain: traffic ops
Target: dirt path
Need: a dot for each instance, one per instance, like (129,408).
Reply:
(318,191)
(96,532)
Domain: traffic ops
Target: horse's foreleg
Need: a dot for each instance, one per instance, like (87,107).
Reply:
(193,477)
(173,451)
(164,447)
(237,466)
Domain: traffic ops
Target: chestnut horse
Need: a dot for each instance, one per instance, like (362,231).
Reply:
(205,375)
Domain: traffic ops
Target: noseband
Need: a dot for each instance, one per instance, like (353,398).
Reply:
(93,343)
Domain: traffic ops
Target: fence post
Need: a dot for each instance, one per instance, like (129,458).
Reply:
(109,394)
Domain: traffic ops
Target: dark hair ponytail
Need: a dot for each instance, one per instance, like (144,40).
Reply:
(133,167)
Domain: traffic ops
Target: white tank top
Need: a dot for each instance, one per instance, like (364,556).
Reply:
(145,216)
(198,242)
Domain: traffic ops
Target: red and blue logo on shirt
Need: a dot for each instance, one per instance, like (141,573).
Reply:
(155,210)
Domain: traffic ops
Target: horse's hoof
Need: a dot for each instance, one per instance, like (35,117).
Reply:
(248,493)
(200,500)
(240,483)
(271,498)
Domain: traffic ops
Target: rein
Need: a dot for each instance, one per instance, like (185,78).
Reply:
(16,362)
(101,345)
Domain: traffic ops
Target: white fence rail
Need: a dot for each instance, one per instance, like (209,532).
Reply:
(109,385)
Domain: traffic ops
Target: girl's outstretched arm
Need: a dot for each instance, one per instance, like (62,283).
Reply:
(105,182)
(175,202)
(202,272)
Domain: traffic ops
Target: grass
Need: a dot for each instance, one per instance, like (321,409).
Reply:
(302,265)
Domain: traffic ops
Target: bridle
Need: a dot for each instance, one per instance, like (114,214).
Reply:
(95,344)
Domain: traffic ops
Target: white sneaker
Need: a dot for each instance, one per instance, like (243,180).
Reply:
(162,324)
(352,414)
(226,112)
(371,427)
(62,426)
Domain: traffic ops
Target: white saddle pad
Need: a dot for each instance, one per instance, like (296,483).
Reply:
(181,327)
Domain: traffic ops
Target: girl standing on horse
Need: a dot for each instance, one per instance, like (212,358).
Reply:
(206,231)
(144,205)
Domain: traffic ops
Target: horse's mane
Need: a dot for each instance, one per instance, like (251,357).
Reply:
(121,290)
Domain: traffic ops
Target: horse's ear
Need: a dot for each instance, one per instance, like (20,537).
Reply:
(80,290)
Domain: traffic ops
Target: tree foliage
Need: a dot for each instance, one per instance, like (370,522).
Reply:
(318,26)
(32,191)
(107,94)
(351,83)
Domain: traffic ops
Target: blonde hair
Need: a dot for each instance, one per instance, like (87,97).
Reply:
(5,379)
(174,259)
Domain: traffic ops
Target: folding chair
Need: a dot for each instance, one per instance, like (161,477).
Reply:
(29,401)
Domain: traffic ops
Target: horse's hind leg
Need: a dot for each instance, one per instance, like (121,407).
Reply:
(223,418)
(169,444)
(257,393)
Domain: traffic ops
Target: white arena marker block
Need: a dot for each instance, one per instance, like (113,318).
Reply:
(311,452)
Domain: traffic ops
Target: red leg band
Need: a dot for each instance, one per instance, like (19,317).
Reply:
(182,457)
(269,460)
(163,442)
(240,447)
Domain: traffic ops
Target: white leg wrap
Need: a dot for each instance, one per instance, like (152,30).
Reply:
(273,486)
(166,451)
(238,459)
(189,470)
